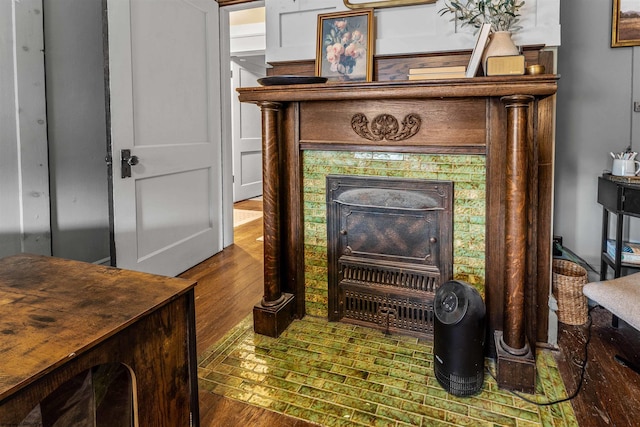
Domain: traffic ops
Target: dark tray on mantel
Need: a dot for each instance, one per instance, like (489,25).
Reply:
(290,80)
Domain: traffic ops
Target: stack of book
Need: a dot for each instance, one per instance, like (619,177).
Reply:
(630,251)
(434,73)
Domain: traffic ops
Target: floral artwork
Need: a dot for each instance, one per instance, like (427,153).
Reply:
(344,46)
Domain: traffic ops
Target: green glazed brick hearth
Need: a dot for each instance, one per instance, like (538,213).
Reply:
(468,172)
(337,374)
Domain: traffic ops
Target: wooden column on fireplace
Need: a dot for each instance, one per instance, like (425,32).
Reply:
(507,119)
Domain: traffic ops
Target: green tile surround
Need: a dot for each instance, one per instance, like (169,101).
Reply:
(466,171)
(337,374)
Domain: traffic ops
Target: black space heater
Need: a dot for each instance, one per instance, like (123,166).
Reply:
(458,338)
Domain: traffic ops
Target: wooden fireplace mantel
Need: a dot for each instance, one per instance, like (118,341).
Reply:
(539,85)
(508,119)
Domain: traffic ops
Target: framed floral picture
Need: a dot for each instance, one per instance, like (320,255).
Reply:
(345,46)
(625,27)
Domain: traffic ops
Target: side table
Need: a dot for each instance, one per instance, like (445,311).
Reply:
(622,199)
(60,318)
(619,196)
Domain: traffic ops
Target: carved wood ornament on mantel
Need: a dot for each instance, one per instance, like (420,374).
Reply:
(385,126)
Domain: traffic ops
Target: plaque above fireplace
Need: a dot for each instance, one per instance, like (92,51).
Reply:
(389,248)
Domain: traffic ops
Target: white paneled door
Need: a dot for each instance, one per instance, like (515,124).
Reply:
(164,107)
(247,138)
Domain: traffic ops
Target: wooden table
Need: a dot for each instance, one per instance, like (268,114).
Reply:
(59,318)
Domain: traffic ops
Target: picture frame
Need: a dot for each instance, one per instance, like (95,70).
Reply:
(344,48)
(625,23)
(384,3)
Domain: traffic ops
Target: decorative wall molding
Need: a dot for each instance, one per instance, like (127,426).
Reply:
(291,28)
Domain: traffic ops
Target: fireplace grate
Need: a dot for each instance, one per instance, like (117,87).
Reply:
(395,296)
(389,247)
(415,277)
(390,309)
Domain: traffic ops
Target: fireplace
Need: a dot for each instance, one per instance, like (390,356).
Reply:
(389,249)
(508,120)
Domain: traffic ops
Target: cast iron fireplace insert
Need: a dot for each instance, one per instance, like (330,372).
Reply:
(389,247)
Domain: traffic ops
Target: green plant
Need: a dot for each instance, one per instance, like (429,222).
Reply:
(501,14)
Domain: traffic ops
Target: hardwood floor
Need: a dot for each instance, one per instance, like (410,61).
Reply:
(230,283)
(610,394)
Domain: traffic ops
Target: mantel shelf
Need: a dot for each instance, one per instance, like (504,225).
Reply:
(540,85)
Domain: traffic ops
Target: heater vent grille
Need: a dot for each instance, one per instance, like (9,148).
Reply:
(459,385)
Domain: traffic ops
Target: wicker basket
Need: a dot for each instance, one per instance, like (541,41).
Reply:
(568,280)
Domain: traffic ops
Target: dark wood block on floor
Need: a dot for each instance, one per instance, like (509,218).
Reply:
(272,321)
(516,373)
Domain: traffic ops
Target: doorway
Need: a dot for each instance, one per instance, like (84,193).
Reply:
(246,125)
(242,45)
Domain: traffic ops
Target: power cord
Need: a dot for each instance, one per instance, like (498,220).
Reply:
(582,372)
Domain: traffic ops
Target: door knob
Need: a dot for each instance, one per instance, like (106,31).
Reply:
(133,160)
(126,161)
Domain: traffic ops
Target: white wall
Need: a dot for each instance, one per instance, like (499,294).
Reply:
(291,28)
(594,116)
(77,129)
(24,185)
(77,214)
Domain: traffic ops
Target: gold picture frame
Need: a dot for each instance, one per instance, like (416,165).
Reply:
(385,3)
(625,24)
(344,48)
